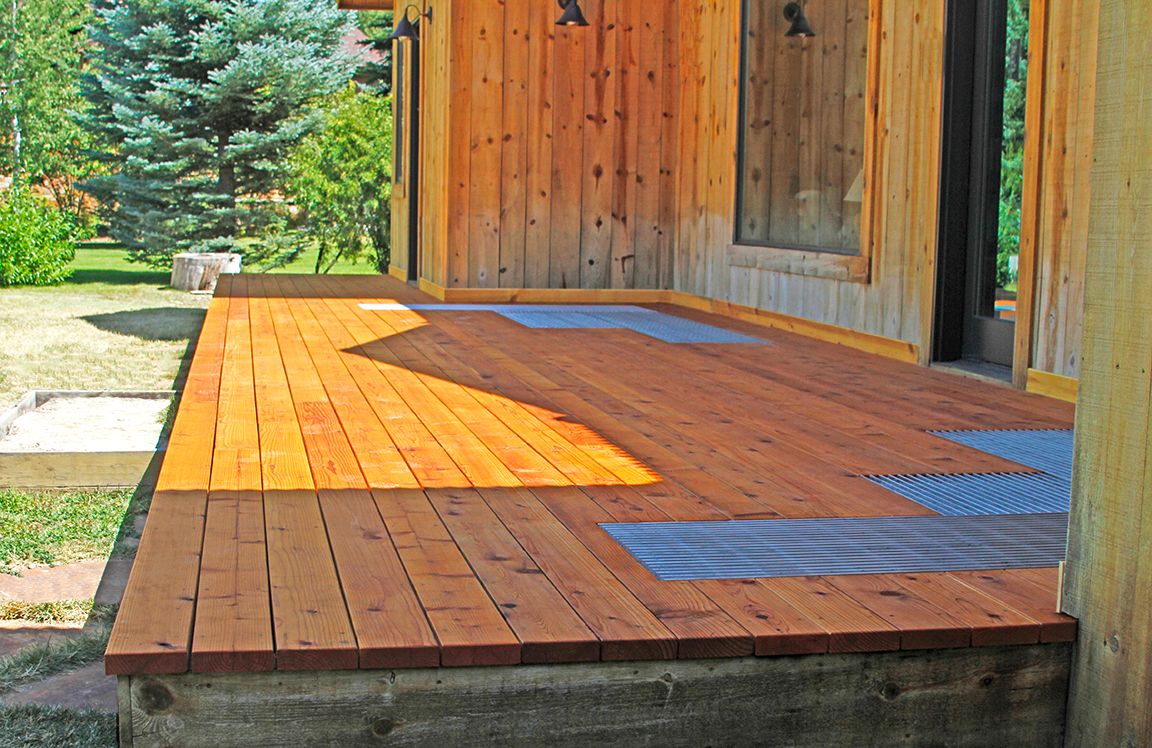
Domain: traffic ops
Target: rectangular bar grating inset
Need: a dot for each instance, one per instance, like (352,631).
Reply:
(654,324)
(995,493)
(813,547)
(1049,450)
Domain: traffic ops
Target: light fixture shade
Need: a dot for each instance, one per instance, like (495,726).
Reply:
(794,12)
(572,15)
(404,30)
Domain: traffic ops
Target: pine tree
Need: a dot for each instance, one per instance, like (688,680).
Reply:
(198,101)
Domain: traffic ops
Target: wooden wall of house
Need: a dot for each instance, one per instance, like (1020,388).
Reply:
(887,291)
(558,162)
(1055,220)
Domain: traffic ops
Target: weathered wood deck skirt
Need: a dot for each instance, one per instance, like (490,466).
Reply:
(390,489)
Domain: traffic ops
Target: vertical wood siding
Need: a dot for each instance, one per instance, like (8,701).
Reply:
(1056,221)
(559,157)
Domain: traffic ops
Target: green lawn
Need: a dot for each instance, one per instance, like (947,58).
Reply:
(114,325)
(46,726)
(306,264)
(52,528)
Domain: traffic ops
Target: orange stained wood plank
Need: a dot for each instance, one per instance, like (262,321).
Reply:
(381,463)
(391,627)
(628,630)
(233,625)
(551,405)
(851,627)
(333,463)
(548,628)
(635,432)
(233,630)
(283,459)
(922,623)
(467,622)
(194,426)
(153,628)
(1020,589)
(311,622)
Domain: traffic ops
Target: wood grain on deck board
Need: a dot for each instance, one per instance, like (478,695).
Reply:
(356,489)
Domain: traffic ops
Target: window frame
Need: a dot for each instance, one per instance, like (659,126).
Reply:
(809,260)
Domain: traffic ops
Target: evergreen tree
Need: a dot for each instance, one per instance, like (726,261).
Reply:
(198,102)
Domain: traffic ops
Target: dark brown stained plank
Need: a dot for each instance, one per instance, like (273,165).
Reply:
(851,627)
(922,624)
(466,621)
(628,630)
(701,627)
(548,628)
(391,628)
(310,618)
(233,629)
(991,621)
(169,554)
(164,578)
(1019,588)
(939,394)
(777,627)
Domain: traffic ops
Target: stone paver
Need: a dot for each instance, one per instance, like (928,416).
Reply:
(86,688)
(77,581)
(16,635)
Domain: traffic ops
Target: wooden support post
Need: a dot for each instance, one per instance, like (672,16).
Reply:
(1109,568)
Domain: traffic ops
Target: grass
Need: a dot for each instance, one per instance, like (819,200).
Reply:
(55,528)
(306,264)
(56,656)
(113,326)
(52,726)
(57,611)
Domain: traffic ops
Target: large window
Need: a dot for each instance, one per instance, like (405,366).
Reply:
(801,172)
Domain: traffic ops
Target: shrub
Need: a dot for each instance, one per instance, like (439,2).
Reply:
(36,241)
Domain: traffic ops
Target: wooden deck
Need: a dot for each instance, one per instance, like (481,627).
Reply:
(362,489)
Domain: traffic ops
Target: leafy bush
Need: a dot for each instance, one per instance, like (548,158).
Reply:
(36,241)
(341,179)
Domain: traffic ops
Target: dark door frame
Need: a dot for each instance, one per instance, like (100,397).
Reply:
(413,120)
(971,145)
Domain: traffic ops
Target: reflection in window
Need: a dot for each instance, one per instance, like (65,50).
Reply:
(803,108)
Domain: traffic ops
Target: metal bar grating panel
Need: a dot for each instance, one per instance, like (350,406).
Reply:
(995,493)
(654,324)
(813,547)
(1048,450)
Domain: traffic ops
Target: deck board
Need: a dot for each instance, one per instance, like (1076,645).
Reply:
(348,488)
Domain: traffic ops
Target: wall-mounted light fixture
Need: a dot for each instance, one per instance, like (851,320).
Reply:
(572,15)
(406,29)
(794,14)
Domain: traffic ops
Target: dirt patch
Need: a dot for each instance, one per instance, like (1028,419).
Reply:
(88,424)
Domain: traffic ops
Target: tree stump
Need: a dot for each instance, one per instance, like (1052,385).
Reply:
(199,271)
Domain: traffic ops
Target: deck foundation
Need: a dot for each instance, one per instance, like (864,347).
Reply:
(958,697)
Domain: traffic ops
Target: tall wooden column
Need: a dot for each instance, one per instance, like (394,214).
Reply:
(1108,583)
